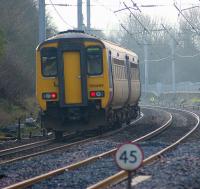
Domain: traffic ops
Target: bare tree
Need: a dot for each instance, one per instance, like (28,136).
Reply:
(18,39)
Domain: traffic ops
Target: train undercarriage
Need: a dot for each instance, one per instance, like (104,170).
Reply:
(86,118)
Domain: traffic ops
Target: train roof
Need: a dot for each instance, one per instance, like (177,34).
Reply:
(117,47)
(72,34)
(78,34)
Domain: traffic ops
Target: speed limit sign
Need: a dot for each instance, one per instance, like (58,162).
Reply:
(129,156)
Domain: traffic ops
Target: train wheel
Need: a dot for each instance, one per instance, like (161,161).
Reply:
(128,116)
(120,118)
(58,135)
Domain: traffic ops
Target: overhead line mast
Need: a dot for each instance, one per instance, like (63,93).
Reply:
(146,75)
(79,15)
(172,44)
(88,15)
(42,25)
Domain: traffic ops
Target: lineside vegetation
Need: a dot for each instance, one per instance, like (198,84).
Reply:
(18,40)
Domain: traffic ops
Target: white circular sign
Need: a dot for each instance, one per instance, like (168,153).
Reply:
(129,157)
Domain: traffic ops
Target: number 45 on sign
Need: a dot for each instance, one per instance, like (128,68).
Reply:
(129,157)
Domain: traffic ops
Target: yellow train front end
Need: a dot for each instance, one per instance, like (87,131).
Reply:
(72,82)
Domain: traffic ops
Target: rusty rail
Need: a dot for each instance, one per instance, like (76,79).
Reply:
(50,174)
(122,175)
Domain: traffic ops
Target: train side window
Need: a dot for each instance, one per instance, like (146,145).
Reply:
(94,61)
(114,71)
(120,64)
(124,72)
(118,72)
(134,71)
(49,62)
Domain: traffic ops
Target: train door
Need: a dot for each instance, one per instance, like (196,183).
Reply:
(73,77)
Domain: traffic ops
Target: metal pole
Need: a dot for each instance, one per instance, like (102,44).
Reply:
(79,15)
(173,66)
(146,79)
(88,14)
(19,129)
(41,124)
(42,26)
(129,180)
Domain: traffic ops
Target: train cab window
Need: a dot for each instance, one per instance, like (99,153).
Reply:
(49,62)
(94,61)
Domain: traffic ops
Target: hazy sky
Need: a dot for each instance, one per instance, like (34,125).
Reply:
(102,16)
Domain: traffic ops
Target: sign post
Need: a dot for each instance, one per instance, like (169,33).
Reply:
(129,157)
(19,129)
(129,179)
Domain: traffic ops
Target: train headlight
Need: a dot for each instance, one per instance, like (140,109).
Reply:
(96,94)
(49,96)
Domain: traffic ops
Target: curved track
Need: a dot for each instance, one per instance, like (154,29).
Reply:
(88,160)
(24,147)
(5,154)
(123,175)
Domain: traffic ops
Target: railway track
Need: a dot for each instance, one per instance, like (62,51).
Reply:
(7,138)
(123,175)
(24,147)
(6,156)
(20,152)
(89,160)
(6,144)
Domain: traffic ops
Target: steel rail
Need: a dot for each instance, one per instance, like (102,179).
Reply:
(46,151)
(24,147)
(34,180)
(122,175)
(6,138)
(66,145)
(28,146)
